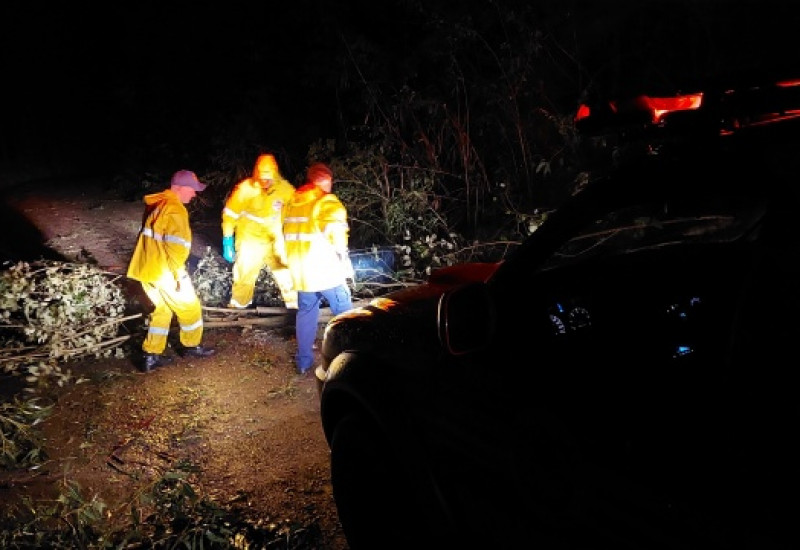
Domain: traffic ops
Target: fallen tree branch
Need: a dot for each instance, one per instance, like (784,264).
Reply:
(10,354)
(276,316)
(271,322)
(42,353)
(262,311)
(258,310)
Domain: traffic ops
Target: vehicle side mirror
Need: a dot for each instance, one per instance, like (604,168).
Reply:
(466,319)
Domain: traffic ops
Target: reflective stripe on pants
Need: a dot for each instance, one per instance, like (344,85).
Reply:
(169,301)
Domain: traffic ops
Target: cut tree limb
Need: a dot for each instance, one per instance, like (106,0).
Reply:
(272,317)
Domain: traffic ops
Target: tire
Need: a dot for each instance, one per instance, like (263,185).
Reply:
(383,502)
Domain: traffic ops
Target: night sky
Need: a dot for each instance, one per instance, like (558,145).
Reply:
(88,79)
(85,79)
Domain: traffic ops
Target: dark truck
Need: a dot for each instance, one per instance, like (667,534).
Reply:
(624,379)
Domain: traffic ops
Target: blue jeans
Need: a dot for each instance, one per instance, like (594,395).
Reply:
(307,319)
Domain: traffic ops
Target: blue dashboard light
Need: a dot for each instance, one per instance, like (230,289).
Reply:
(680,351)
(560,308)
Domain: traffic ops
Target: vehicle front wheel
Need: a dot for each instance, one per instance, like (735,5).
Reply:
(384,499)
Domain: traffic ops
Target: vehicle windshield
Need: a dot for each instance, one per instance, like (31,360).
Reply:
(654,225)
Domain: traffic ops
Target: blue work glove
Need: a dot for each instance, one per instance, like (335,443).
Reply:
(227,248)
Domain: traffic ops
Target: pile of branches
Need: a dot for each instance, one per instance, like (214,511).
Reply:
(213,278)
(52,312)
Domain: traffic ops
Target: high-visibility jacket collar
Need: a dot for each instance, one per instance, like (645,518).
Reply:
(308,193)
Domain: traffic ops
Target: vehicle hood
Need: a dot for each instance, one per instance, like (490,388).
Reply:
(463,273)
(401,320)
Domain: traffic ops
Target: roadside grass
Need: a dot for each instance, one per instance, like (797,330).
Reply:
(168,513)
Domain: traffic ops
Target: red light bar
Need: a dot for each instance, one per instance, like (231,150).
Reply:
(658,107)
(583,112)
(661,106)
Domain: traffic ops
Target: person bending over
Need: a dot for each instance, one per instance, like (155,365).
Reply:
(252,235)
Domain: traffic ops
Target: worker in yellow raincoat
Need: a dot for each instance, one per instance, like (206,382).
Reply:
(316,231)
(252,235)
(159,264)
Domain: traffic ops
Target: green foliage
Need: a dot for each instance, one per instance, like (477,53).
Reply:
(68,522)
(478,140)
(213,278)
(400,205)
(21,442)
(382,211)
(54,311)
(168,514)
(477,151)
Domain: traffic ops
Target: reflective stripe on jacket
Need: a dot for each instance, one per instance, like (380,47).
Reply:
(316,232)
(165,239)
(255,213)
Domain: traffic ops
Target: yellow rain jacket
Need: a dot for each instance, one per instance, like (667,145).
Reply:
(253,213)
(254,216)
(164,242)
(159,263)
(316,232)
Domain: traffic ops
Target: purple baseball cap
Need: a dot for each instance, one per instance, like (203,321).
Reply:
(187,178)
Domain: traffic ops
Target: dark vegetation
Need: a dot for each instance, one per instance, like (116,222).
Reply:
(449,127)
(445,122)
